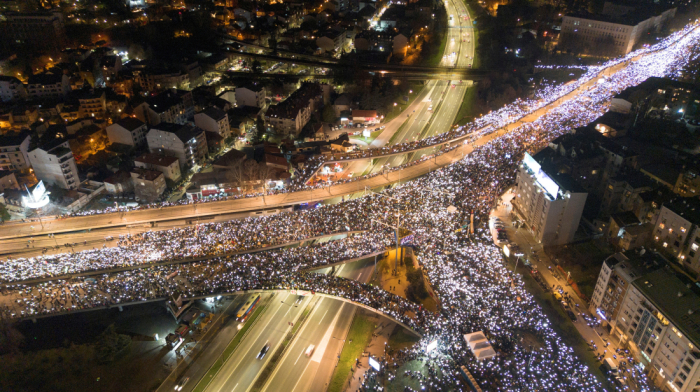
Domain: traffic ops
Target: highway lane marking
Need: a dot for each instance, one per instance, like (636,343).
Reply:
(240,358)
(358,276)
(234,388)
(295,340)
(322,317)
(321,348)
(302,352)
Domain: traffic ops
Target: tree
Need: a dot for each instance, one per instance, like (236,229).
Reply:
(110,344)
(256,67)
(259,130)
(10,338)
(328,114)
(4,215)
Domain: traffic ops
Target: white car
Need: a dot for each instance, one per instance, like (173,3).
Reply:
(310,350)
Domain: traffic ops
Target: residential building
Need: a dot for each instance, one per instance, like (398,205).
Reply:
(658,322)
(172,106)
(616,274)
(187,143)
(39,32)
(8,180)
(14,149)
(119,183)
(91,103)
(148,184)
(55,165)
(169,166)
(130,131)
(619,32)
(331,40)
(292,114)
(550,203)
(160,79)
(676,231)
(214,120)
(11,89)
(251,95)
(48,85)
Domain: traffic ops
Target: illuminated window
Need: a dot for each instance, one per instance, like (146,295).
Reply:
(661,225)
(682,229)
(665,244)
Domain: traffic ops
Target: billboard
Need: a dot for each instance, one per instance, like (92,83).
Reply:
(376,365)
(37,198)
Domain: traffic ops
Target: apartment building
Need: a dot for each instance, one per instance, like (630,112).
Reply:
(14,150)
(55,165)
(172,106)
(659,321)
(130,131)
(214,120)
(48,85)
(148,184)
(616,274)
(251,95)
(187,143)
(292,114)
(11,89)
(621,29)
(550,203)
(169,166)
(90,103)
(39,32)
(676,231)
(161,79)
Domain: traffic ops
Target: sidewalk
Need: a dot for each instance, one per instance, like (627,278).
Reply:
(533,252)
(376,349)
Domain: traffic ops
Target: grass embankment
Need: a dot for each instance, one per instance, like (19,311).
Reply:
(265,374)
(467,110)
(402,105)
(358,338)
(401,339)
(228,351)
(435,49)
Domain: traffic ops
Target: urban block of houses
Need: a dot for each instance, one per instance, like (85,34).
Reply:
(291,115)
(54,164)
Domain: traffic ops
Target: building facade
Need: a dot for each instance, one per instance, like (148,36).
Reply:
(214,120)
(14,151)
(40,32)
(550,206)
(676,231)
(187,143)
(148,184)
(169,166)
(129,131)
(55,165)
(253,95)
(11,89)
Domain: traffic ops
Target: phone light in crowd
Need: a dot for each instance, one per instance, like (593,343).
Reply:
(431,346)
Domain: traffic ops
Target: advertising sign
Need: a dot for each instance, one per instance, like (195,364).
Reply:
(376,365)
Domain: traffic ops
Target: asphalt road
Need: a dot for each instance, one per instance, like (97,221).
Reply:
(241,370)
(326,328)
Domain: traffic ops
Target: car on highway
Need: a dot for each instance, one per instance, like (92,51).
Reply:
(310,350)
(299,299)
(181,383)
(572,316)
(263,351)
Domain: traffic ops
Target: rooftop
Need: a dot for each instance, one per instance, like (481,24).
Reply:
(677,300)
(687,207)
(130,123)
(45,79)
(156,159)
(290,107)
(215,113)
(184,132)
(13,139)
(145,174)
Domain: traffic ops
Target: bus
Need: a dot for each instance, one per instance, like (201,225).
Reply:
(246,308)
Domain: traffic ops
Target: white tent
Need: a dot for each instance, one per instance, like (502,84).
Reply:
(479,345)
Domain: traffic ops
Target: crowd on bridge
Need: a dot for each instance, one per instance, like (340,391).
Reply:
(477,291)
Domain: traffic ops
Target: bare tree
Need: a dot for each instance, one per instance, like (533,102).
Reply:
(264,171)
(234,173)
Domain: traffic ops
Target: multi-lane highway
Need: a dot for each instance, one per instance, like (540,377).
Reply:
(325,327)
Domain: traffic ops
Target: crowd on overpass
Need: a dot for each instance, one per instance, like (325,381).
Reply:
(477,292)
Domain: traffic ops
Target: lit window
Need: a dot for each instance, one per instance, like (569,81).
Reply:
(665,244)
(661,225)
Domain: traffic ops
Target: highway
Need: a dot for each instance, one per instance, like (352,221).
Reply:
(239,373)
(242,369)
(326,328)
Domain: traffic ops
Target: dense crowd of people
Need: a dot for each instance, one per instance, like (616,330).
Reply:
(476,290)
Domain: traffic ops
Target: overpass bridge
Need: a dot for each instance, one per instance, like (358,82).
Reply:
(404,75)
(411,319)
